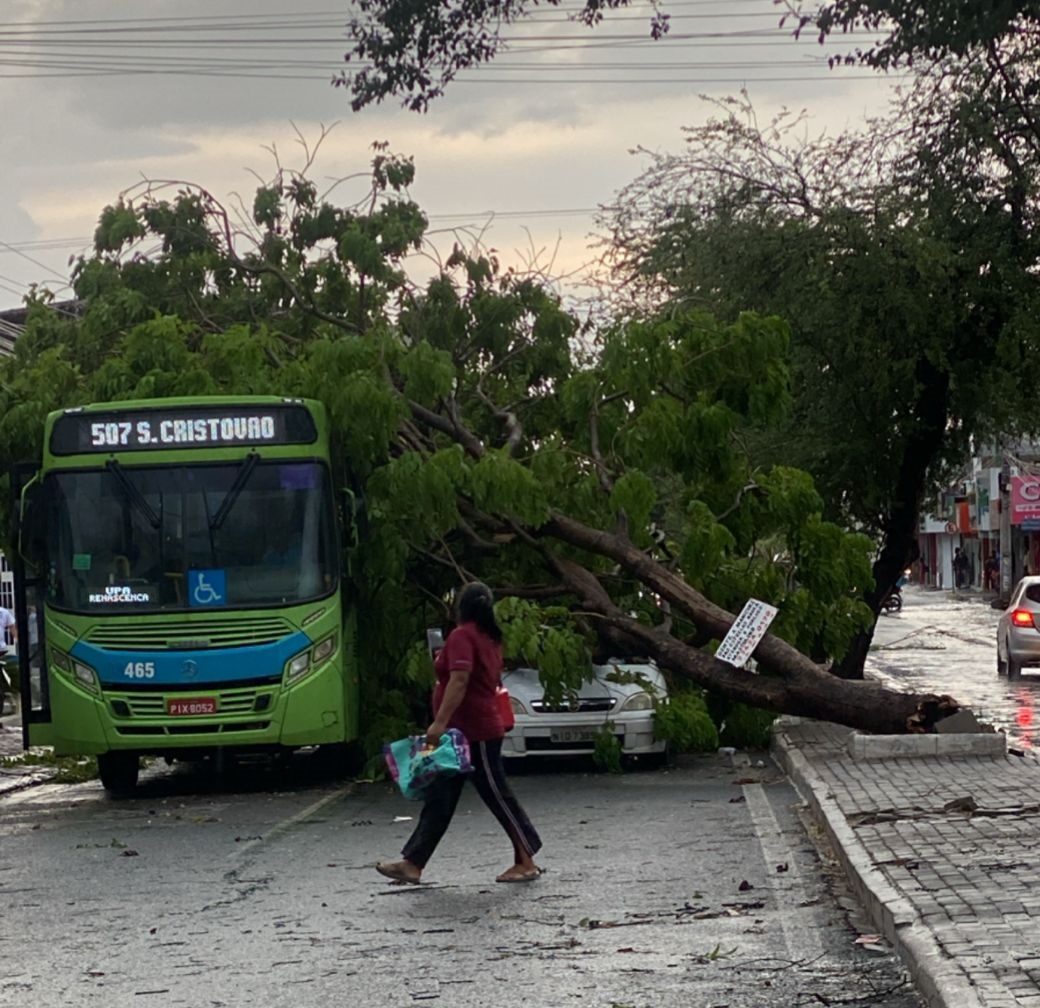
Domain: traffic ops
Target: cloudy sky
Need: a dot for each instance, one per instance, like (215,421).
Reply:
(99,94)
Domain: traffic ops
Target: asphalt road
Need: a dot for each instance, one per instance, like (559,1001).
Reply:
(690,887)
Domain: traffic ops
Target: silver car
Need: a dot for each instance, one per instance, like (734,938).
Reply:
(620,696)
(1018,629)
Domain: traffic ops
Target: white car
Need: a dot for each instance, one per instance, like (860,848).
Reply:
(570,729)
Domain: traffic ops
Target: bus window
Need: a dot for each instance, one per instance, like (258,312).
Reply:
(131,539)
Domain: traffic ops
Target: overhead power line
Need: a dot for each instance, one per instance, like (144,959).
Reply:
(289,45)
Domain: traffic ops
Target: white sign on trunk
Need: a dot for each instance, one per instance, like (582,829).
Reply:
(747,630)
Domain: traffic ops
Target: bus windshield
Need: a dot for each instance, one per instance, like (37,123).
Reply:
(156,538)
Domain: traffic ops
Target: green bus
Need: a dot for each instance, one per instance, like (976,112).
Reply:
(178,585)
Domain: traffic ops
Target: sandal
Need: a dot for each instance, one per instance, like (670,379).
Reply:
(525,876)
(396,870)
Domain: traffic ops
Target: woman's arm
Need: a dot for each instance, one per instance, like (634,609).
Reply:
(454,693)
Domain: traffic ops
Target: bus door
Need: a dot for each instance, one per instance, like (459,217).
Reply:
(30,571)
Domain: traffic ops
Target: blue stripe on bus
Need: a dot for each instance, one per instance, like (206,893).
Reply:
(183,668)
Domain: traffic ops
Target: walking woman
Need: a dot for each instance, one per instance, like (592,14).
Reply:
(469,669)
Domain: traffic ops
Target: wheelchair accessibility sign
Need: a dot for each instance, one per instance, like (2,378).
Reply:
(207,588)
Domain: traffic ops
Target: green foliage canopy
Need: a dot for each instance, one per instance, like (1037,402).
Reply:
(469,414)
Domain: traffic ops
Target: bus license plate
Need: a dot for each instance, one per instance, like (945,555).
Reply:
(572,734)
(191,705)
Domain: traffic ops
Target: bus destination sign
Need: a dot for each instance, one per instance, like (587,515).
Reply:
(153,429)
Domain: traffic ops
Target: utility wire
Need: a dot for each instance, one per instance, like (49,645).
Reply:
(35,262)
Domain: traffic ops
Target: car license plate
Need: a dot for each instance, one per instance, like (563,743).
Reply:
(572,734)
(187,706)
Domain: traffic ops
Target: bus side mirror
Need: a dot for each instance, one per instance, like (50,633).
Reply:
(32,525)
(352,507)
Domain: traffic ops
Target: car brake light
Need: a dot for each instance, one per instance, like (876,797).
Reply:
(1022,618)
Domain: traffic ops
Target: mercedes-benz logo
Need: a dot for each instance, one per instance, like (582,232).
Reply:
(189,669)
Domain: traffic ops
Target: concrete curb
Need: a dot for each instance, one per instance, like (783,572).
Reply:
(872,747)
(935,977)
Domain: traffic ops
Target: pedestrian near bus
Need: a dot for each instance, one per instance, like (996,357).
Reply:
(992,573)
(960,567)
(469,670)
(8,626)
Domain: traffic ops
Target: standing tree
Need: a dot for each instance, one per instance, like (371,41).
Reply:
(613,493)
(904,258)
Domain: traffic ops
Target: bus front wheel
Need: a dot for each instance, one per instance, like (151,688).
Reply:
(118,771)
(342,759)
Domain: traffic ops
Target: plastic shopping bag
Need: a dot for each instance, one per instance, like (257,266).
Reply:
(415,765)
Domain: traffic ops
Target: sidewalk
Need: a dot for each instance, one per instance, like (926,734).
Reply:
(943,851)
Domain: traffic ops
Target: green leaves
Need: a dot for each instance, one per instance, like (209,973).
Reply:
(706,546)
(684,723)
(545,638)
(635,494)
(118,225)
(428,373)
(501,485)
(413,50)
(267,206)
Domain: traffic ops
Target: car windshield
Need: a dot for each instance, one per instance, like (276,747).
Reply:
(143,538)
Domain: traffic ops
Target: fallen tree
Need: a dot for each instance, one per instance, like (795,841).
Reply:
(787,681)
(606,483)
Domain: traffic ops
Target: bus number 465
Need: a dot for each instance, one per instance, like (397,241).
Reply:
(139,670)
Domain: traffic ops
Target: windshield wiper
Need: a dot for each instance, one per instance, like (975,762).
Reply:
(133,495)
(248,465)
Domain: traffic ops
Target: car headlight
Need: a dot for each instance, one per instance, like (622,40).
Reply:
(518,707)
(638,702)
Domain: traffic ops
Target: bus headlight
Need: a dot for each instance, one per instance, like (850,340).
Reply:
(85,676)
(82,674)
(324,649)
(302,663)
(298,665)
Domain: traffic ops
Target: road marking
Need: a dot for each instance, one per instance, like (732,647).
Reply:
(279,828)
(803,943)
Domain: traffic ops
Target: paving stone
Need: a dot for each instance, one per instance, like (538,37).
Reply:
(972,890)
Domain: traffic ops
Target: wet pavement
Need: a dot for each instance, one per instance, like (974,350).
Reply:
(946,643)
(690,887)
(643,904)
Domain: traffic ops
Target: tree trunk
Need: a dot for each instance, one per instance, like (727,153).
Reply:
(789,682)
(920,450)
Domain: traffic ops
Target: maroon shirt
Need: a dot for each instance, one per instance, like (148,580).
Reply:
(468,647)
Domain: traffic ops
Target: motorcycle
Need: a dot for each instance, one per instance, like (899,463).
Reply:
(893,602)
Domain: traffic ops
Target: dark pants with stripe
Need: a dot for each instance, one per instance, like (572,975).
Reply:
(489,778)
